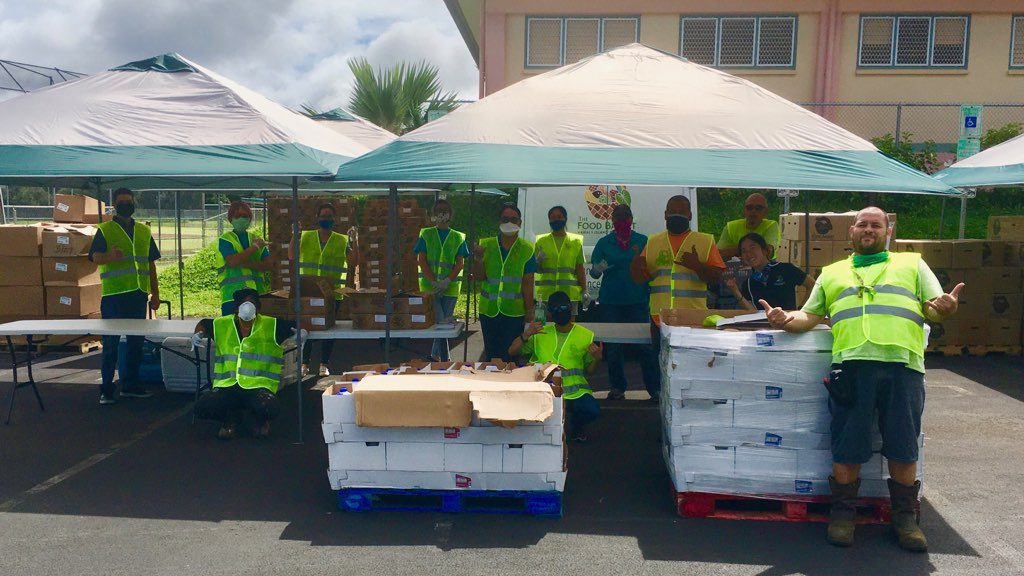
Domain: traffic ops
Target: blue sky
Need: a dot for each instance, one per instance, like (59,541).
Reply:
(293,51)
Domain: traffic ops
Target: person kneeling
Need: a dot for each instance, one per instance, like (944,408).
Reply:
(572,347)
(248,358)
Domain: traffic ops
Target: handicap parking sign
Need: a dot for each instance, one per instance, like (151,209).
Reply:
(970,121)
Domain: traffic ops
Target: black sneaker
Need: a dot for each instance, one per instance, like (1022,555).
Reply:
(616,395)
(107,400)
(136,393)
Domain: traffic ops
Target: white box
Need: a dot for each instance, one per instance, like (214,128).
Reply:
(544,482)
(718,436)
(491,455)
(817,340)
(357,456)
(782,367)
(543,458)
(699,364)
(464,457)
(413,457)
(708,459)
(512,458)
(683,388)
(811,416)
(698,412)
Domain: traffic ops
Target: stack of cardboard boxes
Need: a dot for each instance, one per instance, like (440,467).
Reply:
(745,412)
(829,241)
(46,269)
(279,230)
(373,243)
(990,303)
(412,311)
(444,426)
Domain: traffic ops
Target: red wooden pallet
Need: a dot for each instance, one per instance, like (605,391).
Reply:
(780,509)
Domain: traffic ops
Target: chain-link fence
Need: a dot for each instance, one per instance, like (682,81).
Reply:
(924,123)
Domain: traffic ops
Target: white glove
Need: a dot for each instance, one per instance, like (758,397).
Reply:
(197,340)
(586,300)
(302,333)
(600,267)
(539,256)
(441,285)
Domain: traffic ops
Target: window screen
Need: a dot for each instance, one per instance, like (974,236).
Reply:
(1017,46)
(544,42)
(619,32)
(699,40)
(582,38)
(775,41)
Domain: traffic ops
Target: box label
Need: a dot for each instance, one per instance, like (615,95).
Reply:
(318,321)
(765,339)
(803,486)
(65,300)
(772,439)
(60,267)
(419,318)
(463,481)
(772,392)
(380,318)
(317,302)
(415,301)
(65,240)
(63,207)
(451,432)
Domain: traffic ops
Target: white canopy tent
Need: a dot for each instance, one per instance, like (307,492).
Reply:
(1001,165)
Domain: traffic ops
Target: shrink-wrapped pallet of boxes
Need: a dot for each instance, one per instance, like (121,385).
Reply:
(450,435)
(745,413)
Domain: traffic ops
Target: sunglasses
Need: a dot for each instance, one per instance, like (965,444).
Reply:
(560,308)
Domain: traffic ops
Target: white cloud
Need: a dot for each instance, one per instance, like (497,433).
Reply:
(294,51)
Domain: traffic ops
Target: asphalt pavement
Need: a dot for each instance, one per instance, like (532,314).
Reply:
(138,488)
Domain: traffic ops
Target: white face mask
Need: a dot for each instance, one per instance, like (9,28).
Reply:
(442,218)
(509,228)
(247,311)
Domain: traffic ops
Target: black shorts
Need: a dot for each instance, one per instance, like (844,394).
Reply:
(889,393)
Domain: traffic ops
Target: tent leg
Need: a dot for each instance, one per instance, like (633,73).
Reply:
(297,304)
(942,218)
(963,216)
(392,253)
(807,231)
(181,261)
(470,300)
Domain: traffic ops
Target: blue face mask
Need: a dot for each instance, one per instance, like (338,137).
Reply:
(557,225)
(326,224)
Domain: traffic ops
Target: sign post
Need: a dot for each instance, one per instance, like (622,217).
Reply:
(968,145)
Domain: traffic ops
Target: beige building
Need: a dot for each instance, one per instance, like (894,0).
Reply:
(836,54)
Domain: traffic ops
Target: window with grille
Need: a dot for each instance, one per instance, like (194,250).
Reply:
(1017,43)
(913,41)
(552,42)
(739,41)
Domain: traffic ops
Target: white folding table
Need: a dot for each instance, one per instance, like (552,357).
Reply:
(616,333)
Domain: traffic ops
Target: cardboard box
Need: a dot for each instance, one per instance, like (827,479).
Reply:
(73,271)
(20,271)
(972,331)
(73,208)
(821,253)
(1005,306)
(89,218)
(944,333)
(936,253)
(948,277)
(1014,254)
(23,301)
(20,240)
(420,303)
(451,400)
(67,240)
(993,253)
(73,301)
(316,323)
(1001,279)
(1006,228)
(824,226)
(968,253)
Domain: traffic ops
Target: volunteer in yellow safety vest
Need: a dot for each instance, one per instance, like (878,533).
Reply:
(504,265)
(248,359)
(126,254)
(755,208)
(441,254)
(572,347)
(560,262)
(877,302)
(243,260)
(324,253)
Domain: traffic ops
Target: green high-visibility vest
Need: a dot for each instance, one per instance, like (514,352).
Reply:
(557,273)
(441,258)
(885,310)
(252,362)
(571,357)
(131,272)
(502,289)
(329,262)
(231,278)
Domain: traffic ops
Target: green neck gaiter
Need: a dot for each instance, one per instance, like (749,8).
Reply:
(862,260)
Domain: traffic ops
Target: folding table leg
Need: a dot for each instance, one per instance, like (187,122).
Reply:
(14,371)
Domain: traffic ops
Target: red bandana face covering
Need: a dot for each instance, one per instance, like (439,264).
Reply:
(623,228)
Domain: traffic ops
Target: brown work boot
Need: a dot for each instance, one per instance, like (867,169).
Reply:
(843,515)
(904,516)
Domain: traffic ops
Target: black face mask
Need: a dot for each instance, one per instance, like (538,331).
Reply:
(557,225)
(677,224)
(125,209)
(561,317)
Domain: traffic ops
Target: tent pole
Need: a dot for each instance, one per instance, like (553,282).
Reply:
(264,214)
(942,218)
(297,294)
(392,253)
(181,262)
(963,215)
(467,270)
(807,231)
(159,221)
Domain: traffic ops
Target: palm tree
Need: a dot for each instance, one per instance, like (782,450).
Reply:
(399,98)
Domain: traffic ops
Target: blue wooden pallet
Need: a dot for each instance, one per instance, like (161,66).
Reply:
(454,501)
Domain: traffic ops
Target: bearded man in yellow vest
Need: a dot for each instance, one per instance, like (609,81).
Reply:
(755,208)
(324,253)
(878,303)
(126,254)
(248,359)
(560,262)
(572,347)
(505,266)
(441,254)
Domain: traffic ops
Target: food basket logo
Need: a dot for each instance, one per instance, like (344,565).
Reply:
(602,200)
